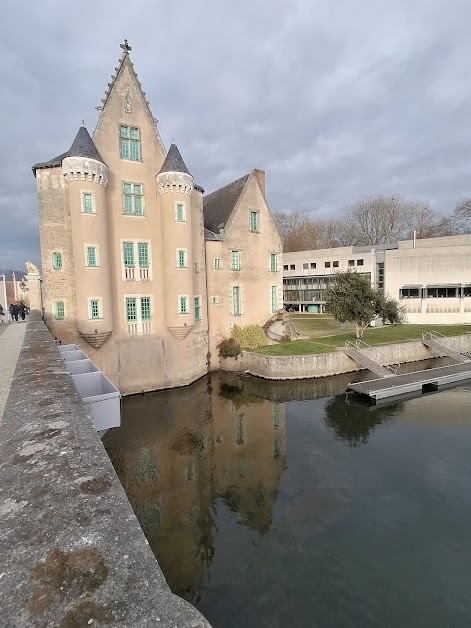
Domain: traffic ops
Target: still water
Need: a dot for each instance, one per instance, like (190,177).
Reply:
(290,504)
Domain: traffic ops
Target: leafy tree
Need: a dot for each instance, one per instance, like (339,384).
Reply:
(351,299)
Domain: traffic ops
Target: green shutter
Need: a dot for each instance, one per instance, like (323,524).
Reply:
(94,309)
(125,152)
(138,189)
(135,133)
(87,203)
(143,252)
(124,131)
(183,305)
(138,205)
(197,309)
(235,260)
(131,309)
(91,256)
(235,301)
(127,204)
(180,216)
(274,299)
(135,150)
(59,310)
(128,254)
(57,260)
(273,262)
(145,308)
(254,221)
(181,259)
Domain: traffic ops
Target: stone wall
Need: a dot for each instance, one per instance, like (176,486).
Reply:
(325,364)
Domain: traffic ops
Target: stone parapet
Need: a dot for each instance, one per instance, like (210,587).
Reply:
(85,169)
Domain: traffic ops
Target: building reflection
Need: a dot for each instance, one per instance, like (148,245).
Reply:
(179,451)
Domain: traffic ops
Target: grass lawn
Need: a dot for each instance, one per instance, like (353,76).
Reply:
(326,335)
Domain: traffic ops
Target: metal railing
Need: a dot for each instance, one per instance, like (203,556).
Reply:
(444,340)
(374,354)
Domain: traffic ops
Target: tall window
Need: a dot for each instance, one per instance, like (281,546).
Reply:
(180,212)
(235,258)
(87,203)
(197,308)
(145,308)
(130,143)
(274,299)
(94,308)
(181,258)
(131,312)
(133,195)
(254,221)
(91,256)
(143,254)
(128,254)
(183,305)
(236,300)
(217,263)
(59,310)
(273,262)
(57,260)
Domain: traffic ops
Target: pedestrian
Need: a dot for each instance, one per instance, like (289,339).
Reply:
(21,310)
(14,312)
(2,313)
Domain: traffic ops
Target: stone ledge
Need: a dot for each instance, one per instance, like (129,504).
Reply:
(71,550)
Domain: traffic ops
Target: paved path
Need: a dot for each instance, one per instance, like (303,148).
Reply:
(11,341)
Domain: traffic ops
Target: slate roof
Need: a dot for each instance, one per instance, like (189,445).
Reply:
(219,205)
(82,146)
(173,162)
(209,235)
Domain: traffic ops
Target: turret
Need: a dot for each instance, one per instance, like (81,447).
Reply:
(175,185)
(86,177)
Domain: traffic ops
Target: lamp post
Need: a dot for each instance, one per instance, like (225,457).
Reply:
(4,293)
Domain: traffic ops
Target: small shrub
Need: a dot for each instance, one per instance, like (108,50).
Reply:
(250,336)
(229,348)
(285,338)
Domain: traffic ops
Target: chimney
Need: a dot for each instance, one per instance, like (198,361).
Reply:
(260,174)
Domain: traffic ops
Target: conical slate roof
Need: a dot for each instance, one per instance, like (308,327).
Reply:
(173,162)
(82,146)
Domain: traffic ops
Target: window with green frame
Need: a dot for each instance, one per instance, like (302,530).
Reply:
(254,221)
(236,300)
(180,214)
(274,298)
(143,254)
(130,142)
(181,260)
(145,308)
(197,308)
(131,312)
(183,304)
(128,254)
(94,308)
(133,199)
(59,310)
(273,262)
(91,256)
(235,260)
(87,203)
(57,260)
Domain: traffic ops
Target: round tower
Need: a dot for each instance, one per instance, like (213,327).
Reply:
(175,185)
(87,177)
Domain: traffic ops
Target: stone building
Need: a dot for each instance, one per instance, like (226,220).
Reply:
(139,268)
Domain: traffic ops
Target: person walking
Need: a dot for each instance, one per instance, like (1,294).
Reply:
(14,312)
(2,313)
(21,311)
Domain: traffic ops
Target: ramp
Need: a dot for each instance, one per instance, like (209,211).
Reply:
(441,343)
(358,352)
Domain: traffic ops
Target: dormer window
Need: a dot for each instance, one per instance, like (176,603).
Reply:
(130,143)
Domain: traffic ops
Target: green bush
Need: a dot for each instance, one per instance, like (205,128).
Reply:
(229,348)
(250,336)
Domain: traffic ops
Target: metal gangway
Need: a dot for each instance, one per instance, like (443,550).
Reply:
(371,360)
(441,343)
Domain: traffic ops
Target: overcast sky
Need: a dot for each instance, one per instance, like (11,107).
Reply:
(336,100)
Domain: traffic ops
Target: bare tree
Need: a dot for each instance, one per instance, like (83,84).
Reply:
(300,232)
(374,220)
(461,217)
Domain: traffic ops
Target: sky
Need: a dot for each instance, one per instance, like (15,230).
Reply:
(334,100)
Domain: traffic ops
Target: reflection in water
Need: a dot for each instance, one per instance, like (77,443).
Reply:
(178,452)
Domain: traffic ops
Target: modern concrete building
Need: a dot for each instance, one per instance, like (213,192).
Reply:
(137,264)
(430,277)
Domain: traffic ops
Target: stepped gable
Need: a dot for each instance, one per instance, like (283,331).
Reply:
(82,146)
(219,205)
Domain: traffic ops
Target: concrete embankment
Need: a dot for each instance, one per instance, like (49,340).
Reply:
(71,550)
(335,363)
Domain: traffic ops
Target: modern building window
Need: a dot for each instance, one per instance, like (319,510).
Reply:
(235,260)
(131,311)
(442,292)
(92,260)
(409,293)
(130,143)
(292,267)
(145,308)
(94,308)
(143,254)
(133,204)
(236,300)
(335,264)
(313,265)
(351,262)
(57,260)
(87,203)
(217,263)
(305,266)
(359,262)
(380,275)
(197,308)
(183,304)
(273,262)
(59,310)
(274,298)
(285,266)
(128,254)
(327,264)
(182,258)
(254,221)
(180,212)
(467,291)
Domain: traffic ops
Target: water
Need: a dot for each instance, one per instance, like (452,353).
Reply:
(290,504)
